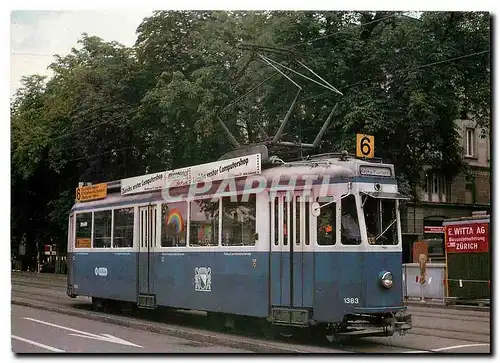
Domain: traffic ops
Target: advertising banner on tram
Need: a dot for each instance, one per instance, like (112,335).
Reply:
(223,169)
(178,177)
(218,170)
(143,183)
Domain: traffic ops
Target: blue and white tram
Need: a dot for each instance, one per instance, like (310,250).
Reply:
(317,244)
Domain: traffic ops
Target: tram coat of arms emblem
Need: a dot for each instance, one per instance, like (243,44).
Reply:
(203,279)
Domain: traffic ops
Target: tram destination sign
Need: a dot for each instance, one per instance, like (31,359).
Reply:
(91,192)
(370,170)
(467,238)
(143,183)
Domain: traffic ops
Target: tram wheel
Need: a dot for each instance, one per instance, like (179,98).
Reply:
(317,333)
(266,329)
(332,330)
(128,308)
(215,320)
(97,304)
(334,338)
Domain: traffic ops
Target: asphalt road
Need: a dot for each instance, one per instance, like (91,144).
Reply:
(40,331)
(436,329)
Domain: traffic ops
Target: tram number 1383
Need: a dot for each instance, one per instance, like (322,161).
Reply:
(351,300)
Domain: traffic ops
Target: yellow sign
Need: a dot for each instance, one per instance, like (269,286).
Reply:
(91,192)
(82,243)
(365,146)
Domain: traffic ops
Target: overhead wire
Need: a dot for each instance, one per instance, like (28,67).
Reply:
(332,34)
(317,96)
(424,66)
(403,70)
(33,54)
(110,151)
(110,120)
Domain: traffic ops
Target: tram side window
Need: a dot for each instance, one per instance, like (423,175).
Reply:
(83,230)
(102,229)
(174,225)
(350,232)
(287,211)
(123,227)
(306,208)
(327,226)
(204,223)
(238,220)
(297,221)
(276,222)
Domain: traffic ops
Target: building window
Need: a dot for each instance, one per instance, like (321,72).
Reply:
(436,187)
(488,147)
(469,143)
(102,229)
(174,224)
(123,227)
(204,223)
(435,184)
(470,189)
(469,183)
(238,221)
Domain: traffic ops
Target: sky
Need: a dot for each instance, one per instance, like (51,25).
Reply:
(36,36)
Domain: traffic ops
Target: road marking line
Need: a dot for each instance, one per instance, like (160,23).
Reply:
(55,325)
(104,337)
(48,347)
(460,346)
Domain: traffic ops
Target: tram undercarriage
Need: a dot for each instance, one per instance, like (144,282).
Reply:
(372,324)
(353,325)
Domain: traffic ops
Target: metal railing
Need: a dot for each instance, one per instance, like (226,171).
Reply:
(434,287)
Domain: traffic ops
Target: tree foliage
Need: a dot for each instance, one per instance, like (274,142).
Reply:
(112,111)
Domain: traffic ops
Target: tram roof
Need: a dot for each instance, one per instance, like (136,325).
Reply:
(335,165)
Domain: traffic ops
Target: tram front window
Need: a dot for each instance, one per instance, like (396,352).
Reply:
(380,219)
(350,233)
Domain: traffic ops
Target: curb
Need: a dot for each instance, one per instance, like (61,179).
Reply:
(224,340)
(445,306)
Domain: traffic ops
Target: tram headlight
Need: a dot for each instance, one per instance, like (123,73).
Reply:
(386,279)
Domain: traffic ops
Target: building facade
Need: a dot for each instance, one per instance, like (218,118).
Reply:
(442,199)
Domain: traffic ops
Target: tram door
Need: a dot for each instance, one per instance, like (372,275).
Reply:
(288,234)
(147,243)
(71,258)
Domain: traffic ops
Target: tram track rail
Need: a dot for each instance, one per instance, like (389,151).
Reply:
(53,297)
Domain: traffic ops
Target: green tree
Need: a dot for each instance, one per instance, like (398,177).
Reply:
(111,111)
